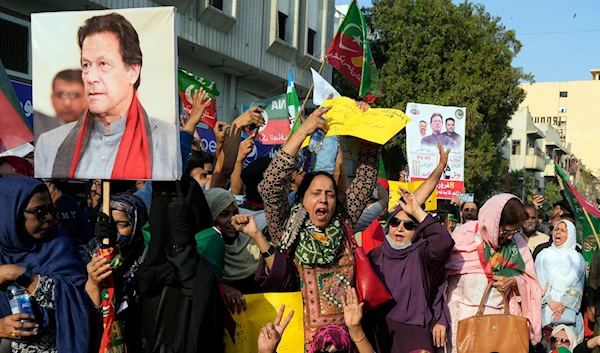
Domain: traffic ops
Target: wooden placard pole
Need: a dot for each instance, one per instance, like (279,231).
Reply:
(106,205)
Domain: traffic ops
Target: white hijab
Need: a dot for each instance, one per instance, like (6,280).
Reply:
(570,335)
(561,265)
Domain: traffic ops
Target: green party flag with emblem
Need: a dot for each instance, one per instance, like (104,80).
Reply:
(349,52)
(586,215)
(187,84)
(277,122)
(15,130)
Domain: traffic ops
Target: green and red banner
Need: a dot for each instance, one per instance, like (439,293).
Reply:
(585,233)
(187,84)
(349,52)
(277,123)
(15,130)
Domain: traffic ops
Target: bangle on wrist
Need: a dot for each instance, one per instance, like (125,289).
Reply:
(360,340)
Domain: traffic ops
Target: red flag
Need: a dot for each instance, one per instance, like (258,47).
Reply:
(349,52)
(15,130)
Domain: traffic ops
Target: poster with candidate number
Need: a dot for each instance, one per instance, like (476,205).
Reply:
(105,93)
(431,124)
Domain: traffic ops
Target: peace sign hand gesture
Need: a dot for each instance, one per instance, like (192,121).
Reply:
(271,334)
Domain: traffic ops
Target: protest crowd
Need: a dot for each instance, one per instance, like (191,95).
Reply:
(176,266)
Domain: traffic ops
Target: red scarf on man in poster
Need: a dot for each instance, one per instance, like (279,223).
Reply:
(133,157)
(108,291)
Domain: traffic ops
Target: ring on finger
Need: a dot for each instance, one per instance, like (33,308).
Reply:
(14,334)
(233,300)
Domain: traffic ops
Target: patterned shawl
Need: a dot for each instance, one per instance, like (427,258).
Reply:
(314,248)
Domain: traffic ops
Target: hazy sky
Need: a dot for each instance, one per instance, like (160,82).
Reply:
(560,38)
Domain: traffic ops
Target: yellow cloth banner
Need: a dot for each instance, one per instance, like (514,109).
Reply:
(263,308)
(377,125)
(430,204)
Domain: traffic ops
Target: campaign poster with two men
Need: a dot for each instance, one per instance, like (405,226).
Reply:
(432,124)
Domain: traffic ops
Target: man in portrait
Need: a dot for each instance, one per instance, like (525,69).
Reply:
(67,99)
(450,127)
(114,138)
(423,128)
(436,133)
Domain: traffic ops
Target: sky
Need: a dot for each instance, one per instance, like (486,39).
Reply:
(560,38)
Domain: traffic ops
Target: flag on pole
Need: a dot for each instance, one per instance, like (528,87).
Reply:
(349,52)
(293,104)
(587,216)
(15,130)
(187,84)
(322,90)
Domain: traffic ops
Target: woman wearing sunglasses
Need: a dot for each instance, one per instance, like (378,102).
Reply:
(561,271)
(562,336)
(411,264)
(493,250)
(44,260)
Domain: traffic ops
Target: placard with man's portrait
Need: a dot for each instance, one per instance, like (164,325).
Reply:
(104,87)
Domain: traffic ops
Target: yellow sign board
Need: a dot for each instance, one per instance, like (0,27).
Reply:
(430,204)
(377,125)
(263,308)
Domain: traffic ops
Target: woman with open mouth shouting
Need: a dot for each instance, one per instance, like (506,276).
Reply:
(312,233)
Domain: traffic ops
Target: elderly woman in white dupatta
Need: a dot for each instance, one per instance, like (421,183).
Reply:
(561,271)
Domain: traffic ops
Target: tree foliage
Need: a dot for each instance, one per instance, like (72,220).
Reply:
(437,52)
(551,196)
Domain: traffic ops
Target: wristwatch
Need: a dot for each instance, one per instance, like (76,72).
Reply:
(24,278)
(269,252)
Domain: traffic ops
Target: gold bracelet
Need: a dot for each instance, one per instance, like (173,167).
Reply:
(360,340)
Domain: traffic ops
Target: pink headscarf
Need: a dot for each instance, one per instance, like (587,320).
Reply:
(334,335)
(465,260)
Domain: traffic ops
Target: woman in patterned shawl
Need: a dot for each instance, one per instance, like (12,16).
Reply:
(493,250)
(312,232)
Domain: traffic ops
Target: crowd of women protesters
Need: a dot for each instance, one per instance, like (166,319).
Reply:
(189,252)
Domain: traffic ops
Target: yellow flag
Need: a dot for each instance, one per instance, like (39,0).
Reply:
(430,204)
(263,308)
(377,125)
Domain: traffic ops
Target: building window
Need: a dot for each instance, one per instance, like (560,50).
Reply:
(516,148)
(217,3)
(562,109)
(14,46)
(281,21)
(310,49)
(564,94)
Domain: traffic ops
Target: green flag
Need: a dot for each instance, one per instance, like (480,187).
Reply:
(381,169)
(187,84)
(14,126)
(293,104)
(586,225)
(349,52)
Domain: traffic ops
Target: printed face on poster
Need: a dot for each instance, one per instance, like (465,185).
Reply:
(105,93)
(432,124)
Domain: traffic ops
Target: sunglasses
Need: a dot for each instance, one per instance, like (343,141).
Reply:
(508,233)
(560,340)
(42,214)
(408,224)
